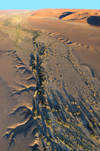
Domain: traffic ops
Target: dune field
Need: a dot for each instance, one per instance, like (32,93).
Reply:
(50,80)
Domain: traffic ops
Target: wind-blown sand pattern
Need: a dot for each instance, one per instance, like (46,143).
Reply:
(49,96)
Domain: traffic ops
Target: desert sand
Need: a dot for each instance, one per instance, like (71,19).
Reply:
(50,80)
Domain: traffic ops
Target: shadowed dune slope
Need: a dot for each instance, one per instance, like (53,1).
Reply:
(94,20)
(65,14)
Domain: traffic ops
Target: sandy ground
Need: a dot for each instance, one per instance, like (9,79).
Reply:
(49,81)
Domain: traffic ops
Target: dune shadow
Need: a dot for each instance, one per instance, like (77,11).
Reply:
(33,14)
(72,19)
(24,90)
(94,20)
(65,14)
(19,129)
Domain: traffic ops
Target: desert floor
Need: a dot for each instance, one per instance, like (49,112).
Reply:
(50,80)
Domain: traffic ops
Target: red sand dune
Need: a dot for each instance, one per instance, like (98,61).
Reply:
(82,15)
(11,10)
(74,15)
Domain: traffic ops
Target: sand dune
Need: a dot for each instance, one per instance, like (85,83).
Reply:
(73,15)
(49,82)
(82,15)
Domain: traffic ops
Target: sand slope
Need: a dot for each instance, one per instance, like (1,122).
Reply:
(49,95)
